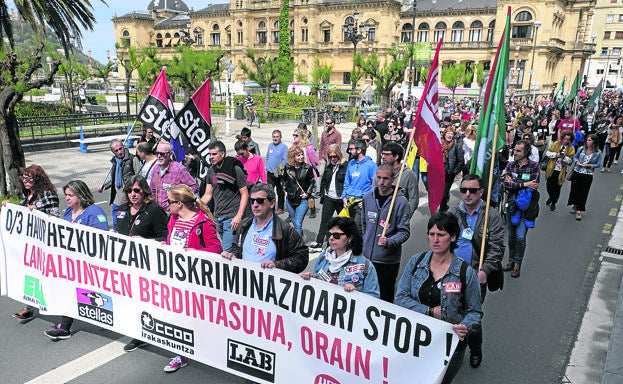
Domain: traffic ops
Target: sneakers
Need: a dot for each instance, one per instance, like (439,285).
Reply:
(315,246)
(58,333)
(133,345)
(24,314)
(176,363)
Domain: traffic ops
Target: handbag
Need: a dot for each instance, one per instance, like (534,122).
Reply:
(569,174)
(544,163)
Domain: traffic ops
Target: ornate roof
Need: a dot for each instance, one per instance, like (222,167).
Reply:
(168,5)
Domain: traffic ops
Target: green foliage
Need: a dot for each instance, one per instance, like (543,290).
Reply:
(321,74)
(387,74)
(355,76)
(190,68)
(453,76)
(480,74)
(287,101)
(300,77)
(285,60)
(28,109)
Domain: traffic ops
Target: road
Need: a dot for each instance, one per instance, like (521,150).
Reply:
(529,327)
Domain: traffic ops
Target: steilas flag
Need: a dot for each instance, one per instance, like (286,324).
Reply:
(493,114)
(157,113)
(427,137)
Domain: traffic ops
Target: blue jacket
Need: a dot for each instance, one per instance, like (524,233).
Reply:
(350,275)
(452,308)
(398,231)
(359,176)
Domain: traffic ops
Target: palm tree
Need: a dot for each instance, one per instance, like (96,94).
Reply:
(66,19)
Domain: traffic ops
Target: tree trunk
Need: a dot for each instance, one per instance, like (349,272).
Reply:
(385,99)
(266,101)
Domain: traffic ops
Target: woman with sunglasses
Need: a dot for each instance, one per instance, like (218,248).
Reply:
(81,209)
(191,226)
(342,262)
(39,193)
(298,182)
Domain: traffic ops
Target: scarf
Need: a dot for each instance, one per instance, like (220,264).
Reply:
(336,262)
(118,173)
(445,147)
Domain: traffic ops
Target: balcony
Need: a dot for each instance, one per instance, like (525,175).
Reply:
(467,45)
(556,45)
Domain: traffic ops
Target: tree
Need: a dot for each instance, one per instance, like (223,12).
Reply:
(285,58)
(150,69)
(72,69)
(65,18)
(130,59)
(103,72)
(321,74)
(387,74)
(265,72)
(190,68)
(453,76)
(480,74)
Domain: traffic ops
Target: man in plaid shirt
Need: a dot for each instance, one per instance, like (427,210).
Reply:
(166,174)
(520,174)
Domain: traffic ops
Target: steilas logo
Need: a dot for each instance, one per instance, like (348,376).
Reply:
(94,306)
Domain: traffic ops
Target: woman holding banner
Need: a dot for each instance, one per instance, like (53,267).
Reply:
(191,226)
(439,284)
(81,209)
(342,262)
(39,193)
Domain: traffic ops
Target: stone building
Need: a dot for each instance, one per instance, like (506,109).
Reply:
(553,38)
(607,37)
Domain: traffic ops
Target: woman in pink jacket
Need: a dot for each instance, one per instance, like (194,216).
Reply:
(191,226)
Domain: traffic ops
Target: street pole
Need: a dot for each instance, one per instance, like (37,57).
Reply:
(588,67)
(607,70)
(354,55)
(537,24)
(411,51)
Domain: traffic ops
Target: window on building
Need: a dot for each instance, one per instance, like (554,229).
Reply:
(620,18)
(616,51)
(610,18)
(606,35)
(261,37)
(457,31)
(371,34)
(522,27)
(618,35)
(523,16)
(422,32)
(292,32)
(346,78)
(216,39)
(491,31)
(167,40)
(125,38)
(604,51)
(405,34)
(198,36)
(600,71)
(326,35)
(159,40)
(239,37)
(348,21)
(276,32)
(440,31)
(475,31)
(304,35)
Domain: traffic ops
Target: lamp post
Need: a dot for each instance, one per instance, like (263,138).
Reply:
(411,51)
(537,24)
(355,33)
(229,68)
(185,36)
(588,67)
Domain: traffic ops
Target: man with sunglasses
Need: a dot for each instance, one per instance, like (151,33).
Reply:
(265,238)
(166,174)
(471,214)
(121,170)
(328,137)
(385,250)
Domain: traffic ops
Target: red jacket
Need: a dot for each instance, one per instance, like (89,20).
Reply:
(203,227)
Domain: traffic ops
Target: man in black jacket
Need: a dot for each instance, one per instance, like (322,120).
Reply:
(265,238)
(122,168)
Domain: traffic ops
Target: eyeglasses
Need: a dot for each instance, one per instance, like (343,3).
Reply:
(351,149)
(135,190)
(329,123)
(366,140)
(333,157)
(470,190)
(387,154)
(295,135)
(163,154)
(259,200)
(336,235)
(171,202)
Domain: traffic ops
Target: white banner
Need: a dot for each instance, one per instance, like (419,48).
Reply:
(269,326)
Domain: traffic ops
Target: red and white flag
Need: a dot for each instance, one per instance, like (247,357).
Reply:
(426,134)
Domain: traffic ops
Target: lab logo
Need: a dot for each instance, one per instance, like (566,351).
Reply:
(251,360)
(95,306)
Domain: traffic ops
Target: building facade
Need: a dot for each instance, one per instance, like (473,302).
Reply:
(607,37)
(553,38)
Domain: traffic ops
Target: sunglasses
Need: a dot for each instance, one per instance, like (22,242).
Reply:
(171,202)
(259,200)
(366,140)
(135,190)
(336,235)
(163,154)
(470,190)
(333,157)
(295,135)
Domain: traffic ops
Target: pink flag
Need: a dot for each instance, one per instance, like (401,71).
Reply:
(427,136)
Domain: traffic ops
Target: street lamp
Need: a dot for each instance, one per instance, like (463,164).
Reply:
(588,67)
(185,36)
(355,33)
(537,24)
(229,68)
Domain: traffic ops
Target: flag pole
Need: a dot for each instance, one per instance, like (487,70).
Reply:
(488,202)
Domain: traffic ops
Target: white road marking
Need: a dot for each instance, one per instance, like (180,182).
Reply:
(81,365)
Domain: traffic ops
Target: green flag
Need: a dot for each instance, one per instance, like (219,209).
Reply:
(594,99)
(573,92)
(494,116)
(559,92)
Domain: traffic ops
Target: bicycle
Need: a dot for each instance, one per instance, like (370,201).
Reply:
(255,117)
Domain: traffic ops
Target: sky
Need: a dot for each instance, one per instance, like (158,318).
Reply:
(102,37)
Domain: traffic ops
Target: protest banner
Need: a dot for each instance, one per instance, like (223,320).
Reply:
(266,325)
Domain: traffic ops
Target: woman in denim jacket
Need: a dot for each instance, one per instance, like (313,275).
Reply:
(342,263)
(439,286)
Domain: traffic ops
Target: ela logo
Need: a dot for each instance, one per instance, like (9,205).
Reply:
(251,360)
(94,306)
(33,291)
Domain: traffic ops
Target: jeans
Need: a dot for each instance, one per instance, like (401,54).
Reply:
(516,239)
(297,215)
(115,211)
(223,227)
